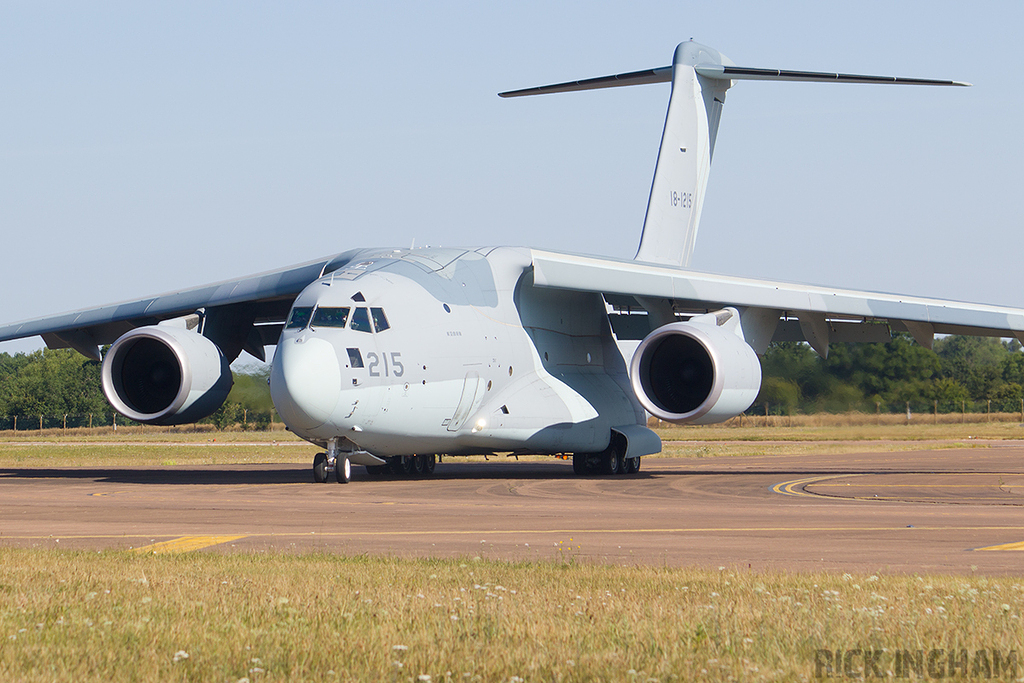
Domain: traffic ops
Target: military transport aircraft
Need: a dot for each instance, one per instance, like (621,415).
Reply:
(389,358)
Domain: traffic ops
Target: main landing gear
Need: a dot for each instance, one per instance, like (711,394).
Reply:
(405,466)
(332,461)
(611,460)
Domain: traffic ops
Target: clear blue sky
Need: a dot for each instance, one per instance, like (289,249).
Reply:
(147,147)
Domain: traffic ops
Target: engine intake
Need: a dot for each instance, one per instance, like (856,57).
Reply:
(165,375)
(696,372)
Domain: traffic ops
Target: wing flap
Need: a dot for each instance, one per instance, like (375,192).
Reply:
(710,291)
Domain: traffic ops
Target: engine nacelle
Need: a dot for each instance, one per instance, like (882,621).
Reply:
(165,375)
(696,372)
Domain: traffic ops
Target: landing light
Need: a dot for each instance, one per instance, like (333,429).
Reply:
(480,424)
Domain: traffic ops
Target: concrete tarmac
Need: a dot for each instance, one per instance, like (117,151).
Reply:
(942,511)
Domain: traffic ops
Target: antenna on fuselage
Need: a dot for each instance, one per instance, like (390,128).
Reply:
(700,75)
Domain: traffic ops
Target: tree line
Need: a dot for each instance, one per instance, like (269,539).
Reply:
(971,374)
(961,373)
(59,387)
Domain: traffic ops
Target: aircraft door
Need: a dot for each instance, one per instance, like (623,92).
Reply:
(471,396)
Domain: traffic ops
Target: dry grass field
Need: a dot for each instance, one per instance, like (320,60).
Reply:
(213,617)
(849,433)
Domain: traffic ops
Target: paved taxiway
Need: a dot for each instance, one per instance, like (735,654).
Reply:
(949,510)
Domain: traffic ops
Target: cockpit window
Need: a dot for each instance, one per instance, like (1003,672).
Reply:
(299,317)
(380,321)
(330,317)
(361,321)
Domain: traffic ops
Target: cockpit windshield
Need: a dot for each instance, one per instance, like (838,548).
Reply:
(330,317)
(361,321)
(380,321)
(299,317)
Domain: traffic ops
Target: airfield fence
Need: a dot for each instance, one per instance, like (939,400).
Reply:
(1003,409)
(765,414)
(247,420)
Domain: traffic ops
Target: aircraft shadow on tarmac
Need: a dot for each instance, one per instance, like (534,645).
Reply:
(301,474)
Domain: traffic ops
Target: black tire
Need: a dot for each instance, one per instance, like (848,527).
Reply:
(429,463)
(343,469)
(621,464)
(632,465)
(610,460)
(419,465)
(579,463)
(407,466)
(377,470)
(320,468)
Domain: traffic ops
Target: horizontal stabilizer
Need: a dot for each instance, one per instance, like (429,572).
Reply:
(661,74)
(721,72)
(742,73)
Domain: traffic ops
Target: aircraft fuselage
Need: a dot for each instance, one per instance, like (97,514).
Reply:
(449,351)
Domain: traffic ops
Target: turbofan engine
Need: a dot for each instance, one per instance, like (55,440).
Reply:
(165,375)
(696,372)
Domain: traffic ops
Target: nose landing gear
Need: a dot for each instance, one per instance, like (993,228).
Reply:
(332,461)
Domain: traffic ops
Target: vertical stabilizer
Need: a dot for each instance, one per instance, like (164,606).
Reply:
(700,75)
(684,160)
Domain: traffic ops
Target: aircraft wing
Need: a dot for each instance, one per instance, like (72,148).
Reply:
(810,309)
(245,313)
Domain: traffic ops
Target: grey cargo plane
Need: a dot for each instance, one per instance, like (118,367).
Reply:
(388,358)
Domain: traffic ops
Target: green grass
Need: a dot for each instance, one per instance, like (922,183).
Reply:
(142,454)
(120,616)
(152,446)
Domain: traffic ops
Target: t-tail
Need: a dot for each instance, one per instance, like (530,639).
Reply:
(700,77)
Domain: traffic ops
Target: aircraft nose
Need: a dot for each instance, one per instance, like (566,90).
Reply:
(305,382)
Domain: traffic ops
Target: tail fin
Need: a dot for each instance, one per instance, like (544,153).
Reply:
(700,76)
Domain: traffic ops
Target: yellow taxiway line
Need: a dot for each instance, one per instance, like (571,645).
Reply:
(184,544)
(789,488)
(1019,545)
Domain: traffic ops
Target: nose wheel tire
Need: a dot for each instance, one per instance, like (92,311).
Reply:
(320,468)
(343,470)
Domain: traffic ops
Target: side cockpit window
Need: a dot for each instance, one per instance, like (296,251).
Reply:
(330,317)
(380,321)
(299,317)
(361,321)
